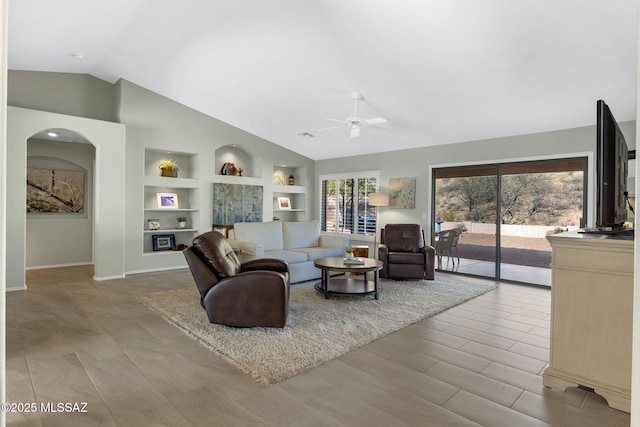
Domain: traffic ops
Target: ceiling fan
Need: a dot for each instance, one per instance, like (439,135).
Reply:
(354,123)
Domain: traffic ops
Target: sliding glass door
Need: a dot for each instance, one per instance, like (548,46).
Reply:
(466,199)
(505,237)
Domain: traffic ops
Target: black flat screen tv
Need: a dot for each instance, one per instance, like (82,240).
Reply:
(612,170)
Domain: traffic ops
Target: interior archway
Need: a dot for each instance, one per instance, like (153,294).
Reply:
(109,140)
(60,192)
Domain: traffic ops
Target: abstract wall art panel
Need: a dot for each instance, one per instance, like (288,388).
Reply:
(402,193)
(237,203)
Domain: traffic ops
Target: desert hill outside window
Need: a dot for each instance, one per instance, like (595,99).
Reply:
(344,203)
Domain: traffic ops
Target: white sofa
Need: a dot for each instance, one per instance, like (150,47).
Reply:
(297,243)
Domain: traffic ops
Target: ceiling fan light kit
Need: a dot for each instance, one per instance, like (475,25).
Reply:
(354,123)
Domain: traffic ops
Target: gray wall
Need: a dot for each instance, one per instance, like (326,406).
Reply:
(416,162)
(79,95)
(153,121)
(109,140)
(47,234)
(156,122)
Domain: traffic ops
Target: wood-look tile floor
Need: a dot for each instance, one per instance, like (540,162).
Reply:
(71,339)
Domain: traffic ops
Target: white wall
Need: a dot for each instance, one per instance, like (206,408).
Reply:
(109,140)
(61,239)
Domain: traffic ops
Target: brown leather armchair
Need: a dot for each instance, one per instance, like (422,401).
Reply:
(254,293)
(404,253)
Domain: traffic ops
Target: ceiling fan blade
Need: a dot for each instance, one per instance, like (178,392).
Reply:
(332,127)
(355,131)
(339,121)
(375,121)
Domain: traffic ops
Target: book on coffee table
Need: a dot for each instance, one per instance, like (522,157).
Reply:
(353,260)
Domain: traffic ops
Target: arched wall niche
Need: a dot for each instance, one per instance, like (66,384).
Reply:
(109,141)
(60,166)
(237,155)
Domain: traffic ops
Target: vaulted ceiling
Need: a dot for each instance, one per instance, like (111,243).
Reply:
(439,71)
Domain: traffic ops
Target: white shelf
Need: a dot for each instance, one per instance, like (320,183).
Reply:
(241,180)
(164,182)
(171,230)
(291,189)
(170,210)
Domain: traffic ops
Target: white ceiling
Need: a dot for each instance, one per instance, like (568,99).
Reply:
(440,71)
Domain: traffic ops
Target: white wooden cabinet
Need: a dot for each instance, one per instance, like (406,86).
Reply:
(591,315)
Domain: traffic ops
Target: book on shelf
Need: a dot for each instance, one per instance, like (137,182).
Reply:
(354,260)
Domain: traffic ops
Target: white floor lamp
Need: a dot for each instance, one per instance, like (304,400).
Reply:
(377,200)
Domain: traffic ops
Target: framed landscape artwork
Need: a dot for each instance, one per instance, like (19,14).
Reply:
(402,193)
(55,191)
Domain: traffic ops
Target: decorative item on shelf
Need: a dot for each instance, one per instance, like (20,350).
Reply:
(167,200)
(168,168)
(279,178)
(182,221)
(180,247)
(284,203)
(163,242)
(275,218)
(348,252)
(230,169)
(153,224)
(291,180)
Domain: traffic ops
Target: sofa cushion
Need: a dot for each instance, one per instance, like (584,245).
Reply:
(319,252)
(290,257)
(300,234)
(267,233)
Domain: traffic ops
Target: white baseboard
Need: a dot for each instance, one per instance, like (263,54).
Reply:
(42,267)
(155,270)
(100,279)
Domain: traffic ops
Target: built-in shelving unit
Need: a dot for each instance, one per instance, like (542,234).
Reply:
(295,191)
(194,174)
(185,188)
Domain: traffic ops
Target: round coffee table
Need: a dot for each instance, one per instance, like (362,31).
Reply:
(348,285)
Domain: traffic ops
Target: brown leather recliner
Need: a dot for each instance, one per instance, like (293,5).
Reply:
(404,253)
(254,293)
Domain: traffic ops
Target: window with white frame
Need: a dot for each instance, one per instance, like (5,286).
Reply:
(344,203)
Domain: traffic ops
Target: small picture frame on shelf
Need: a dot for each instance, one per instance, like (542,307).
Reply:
(167,200)
(153,224)
(163,242)
(284,203)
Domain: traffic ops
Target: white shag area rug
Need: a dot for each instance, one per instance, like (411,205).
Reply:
(317,329)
